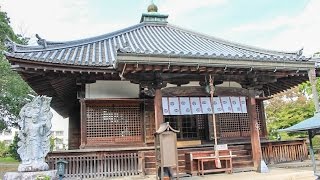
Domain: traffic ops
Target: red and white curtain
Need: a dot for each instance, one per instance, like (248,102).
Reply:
(203,105)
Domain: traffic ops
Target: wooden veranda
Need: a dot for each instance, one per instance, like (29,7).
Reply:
(115,162)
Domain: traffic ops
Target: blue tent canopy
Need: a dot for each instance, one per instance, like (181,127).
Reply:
(312,125)
(308,124)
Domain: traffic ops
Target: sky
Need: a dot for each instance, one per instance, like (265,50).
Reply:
(271,24)
(287,25)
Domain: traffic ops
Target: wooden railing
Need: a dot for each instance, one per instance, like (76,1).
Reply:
(98,164)
(274,152)
(120,162)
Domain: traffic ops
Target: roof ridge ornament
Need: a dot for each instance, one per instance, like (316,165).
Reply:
(300,52)
(10,45)
(41,42)
(153,16)
(152,7)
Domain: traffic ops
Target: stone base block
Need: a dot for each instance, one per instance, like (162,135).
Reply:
(30,175)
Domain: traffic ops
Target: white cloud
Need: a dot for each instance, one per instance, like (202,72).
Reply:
(179,8)
(281,21)
(289,33)
(304,30)
(57,20)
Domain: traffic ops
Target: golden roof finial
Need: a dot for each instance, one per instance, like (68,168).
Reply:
(152,7)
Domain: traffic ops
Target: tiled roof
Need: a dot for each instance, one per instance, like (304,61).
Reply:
(147,38)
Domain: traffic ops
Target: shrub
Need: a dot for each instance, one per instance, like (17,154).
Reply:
(14,147)
(4,150)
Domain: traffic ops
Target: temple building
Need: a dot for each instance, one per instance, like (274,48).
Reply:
(119,87)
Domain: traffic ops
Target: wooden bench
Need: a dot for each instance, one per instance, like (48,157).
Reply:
(200,162)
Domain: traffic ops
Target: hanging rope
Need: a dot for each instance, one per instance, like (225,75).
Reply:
(216,152)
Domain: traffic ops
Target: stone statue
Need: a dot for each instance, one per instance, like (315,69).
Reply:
(34,134)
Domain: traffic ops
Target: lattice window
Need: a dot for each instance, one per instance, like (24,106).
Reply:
(190,126)
(114,124)
(236,124)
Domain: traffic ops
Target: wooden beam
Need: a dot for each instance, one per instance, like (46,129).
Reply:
(157,68)
(175,69)
(129,68)
(184,69)
(138,68)
(313,82)
(148,68)
(158,108)
(254,129)
(200,91)
(83,119)
(263,119)
(74,136)
(202,69)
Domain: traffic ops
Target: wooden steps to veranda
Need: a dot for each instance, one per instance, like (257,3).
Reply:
(243,159)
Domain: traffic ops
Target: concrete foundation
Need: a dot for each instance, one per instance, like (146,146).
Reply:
(31,175)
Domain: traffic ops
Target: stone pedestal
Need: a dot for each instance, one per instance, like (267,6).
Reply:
(30,175)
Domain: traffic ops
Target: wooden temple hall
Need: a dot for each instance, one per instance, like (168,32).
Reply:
(117,88)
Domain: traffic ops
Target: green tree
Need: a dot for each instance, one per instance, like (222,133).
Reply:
(52,143)
(13,90)
(3,149)
(286,109)
(14,147)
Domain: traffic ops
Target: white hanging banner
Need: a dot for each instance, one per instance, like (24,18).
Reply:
(217,106)
(174,107)
(195,105)
(203,105)
(243,103)
(226,104)
(165,106)
(206,105)
(235,103)
(185,106)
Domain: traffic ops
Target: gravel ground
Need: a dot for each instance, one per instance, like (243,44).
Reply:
(7,167)
(293,171)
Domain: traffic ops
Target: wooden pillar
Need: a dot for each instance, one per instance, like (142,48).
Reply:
(158,108)
(254,129)
(264,130)
(313,82)
(74,127)
(83,123)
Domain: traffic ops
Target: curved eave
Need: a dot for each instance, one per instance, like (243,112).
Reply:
(147,39)
(53,45)
(214,61)
(58,67)
(240,45)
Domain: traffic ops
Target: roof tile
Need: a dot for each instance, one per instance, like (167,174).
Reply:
(146,38)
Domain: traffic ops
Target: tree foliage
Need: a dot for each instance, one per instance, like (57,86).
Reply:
(3,149)
(13,90)
(307,89)
(288,108)
(13,148)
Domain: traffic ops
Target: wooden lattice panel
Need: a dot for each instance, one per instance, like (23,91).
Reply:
(229,124)
(190,126)
(236,124)
(114,124)
(202,125)
(149,126)
(149,122)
